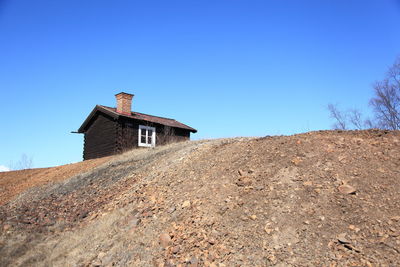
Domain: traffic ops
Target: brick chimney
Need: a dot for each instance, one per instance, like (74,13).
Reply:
(124,103)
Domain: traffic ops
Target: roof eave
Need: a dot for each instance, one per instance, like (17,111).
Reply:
(89,118)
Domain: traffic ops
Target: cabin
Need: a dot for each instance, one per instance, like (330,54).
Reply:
(108,130)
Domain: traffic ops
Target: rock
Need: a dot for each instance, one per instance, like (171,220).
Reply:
(380,169)
(93,216)
(186,204)
(83,215)
(296,161)
(222,210)
(244,181)
(211,241)
(395,218)
(259,187)
(135,222)
(342,238)
(240,172)
(347,189)
(268,230)
(171,209)
(175,249)
(354,228)
(101,255)
(147,214)
(253,217)
(96,263)
(194,262)
(165,240)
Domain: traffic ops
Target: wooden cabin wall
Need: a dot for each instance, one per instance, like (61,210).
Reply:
(128,134)
(100,138)
(166,135)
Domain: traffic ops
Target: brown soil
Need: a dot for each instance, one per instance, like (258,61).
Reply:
(317,199)
(14,182)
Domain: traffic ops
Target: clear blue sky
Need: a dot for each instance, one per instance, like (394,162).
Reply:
(227,68)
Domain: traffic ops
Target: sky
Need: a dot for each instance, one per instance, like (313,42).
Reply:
(225,67)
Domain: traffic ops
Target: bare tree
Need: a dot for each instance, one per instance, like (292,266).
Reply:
(386,103)
(369,124)
(349,119)
(355,119)
(25,162)
(338,116)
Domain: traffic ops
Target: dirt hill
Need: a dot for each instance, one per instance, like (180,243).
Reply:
(15,182)
(316,199)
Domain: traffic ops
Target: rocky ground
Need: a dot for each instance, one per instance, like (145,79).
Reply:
(324,198)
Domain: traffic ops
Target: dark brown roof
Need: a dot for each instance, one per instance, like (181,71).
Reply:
(135,115)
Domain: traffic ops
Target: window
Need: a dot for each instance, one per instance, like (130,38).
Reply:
(147,136)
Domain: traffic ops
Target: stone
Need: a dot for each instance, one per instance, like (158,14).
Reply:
(175,249)
(395,218)
(347,189)
(244,181)
(101,255)
(296,161)
(165,240)
(135,221)
(194,262)
(186,204)
(171,209)
(96,263)
(342,238)
(268,230)
(211,241)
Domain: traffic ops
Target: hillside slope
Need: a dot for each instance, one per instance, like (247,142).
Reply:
(15,182)
(315,199)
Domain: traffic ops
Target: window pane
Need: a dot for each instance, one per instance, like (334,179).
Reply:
(143,139)
(149,140)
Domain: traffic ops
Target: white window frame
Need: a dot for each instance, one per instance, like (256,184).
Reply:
(153,136)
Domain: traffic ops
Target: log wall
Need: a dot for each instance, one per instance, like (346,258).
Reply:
(128,134)
(100,138)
